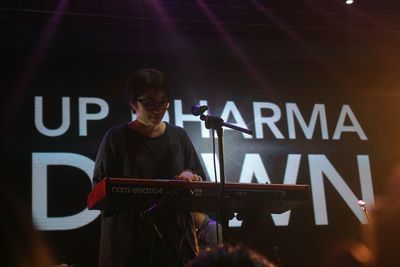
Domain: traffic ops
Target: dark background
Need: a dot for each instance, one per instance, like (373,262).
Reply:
(303,52)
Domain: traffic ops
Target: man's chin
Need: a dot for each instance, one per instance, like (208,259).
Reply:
(155,122)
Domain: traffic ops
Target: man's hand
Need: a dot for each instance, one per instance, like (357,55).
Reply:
(188,175)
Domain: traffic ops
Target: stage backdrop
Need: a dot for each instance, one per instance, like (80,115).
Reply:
(323,113)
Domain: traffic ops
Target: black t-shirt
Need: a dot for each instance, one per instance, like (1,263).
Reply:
(127,239)
(126,153)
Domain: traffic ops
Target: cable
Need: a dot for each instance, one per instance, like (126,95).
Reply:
(218,212)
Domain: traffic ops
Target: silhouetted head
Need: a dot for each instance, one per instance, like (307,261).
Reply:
(230,256)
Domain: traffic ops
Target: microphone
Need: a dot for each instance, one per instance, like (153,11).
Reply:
(198,110)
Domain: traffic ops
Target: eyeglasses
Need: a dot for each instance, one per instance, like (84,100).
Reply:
(151,105)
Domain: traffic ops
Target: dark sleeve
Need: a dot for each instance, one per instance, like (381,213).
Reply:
(210,234)
(107,163)
(192,161)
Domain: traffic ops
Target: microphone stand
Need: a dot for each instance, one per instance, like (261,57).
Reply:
(216,123)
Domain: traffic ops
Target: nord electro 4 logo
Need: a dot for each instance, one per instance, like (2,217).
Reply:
(136,190)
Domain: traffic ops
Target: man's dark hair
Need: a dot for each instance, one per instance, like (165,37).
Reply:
(230,256)
(145,79)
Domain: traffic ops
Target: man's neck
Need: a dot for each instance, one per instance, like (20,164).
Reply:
(148,130)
